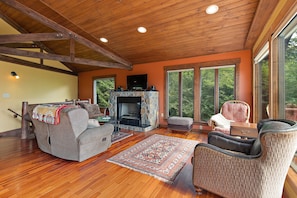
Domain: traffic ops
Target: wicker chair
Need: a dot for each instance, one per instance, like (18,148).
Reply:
(232,167)
(231,111)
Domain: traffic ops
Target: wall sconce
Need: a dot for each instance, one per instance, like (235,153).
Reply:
(14,74)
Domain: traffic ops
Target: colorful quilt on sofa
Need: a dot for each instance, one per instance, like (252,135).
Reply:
(48,113)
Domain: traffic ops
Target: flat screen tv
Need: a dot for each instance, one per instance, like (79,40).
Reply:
(137,82)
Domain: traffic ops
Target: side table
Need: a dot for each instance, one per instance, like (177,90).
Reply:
(110,120)
(243,129)
(104,119)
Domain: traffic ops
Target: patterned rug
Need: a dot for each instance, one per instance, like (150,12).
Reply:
(159,156)
(120,136)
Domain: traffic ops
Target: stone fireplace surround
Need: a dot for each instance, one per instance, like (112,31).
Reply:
(149,109)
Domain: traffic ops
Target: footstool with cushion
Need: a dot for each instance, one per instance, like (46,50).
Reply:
(177,123)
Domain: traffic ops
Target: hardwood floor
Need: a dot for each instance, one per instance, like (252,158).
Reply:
(26,171)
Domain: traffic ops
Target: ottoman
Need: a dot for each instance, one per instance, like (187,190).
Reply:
(180,123)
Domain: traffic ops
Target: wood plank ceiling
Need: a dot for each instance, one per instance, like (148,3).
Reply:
(175,29)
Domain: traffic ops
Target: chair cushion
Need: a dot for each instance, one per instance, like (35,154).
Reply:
(235,111)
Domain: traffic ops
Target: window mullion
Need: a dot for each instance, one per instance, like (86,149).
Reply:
(180,93)
(216,91)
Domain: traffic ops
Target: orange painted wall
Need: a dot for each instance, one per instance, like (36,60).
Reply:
(155,73)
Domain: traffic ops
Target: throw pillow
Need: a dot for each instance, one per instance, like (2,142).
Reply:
(93,123)
(92,109)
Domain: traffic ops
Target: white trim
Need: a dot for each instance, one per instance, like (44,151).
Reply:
(94,92)
(285,23)
(262,54)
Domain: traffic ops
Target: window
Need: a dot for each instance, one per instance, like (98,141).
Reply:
(261,68)
(102,88)
(199,90)
(180,86)
(287,65)
(217,87)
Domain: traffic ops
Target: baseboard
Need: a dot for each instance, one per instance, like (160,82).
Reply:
(11,133)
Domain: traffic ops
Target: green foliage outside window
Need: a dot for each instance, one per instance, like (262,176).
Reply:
(185,100)
(291,71)
(207,107)
(225,85)
(104,86)
(188,94)
(264,68)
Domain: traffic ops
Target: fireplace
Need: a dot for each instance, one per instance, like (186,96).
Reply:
(135,110)
(128,110)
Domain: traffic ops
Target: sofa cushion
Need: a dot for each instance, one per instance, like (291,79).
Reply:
(92,109)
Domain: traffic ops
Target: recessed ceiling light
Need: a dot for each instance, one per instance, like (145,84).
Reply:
(104,40)
(212,9)
(141,29)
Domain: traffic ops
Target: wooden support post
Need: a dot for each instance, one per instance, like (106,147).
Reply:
(25,123)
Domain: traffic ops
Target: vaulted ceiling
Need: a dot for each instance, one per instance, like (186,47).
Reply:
(70,30)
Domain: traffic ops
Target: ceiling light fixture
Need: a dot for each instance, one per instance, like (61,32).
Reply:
(104,40)
(14,74)
(141,29)
(212,9)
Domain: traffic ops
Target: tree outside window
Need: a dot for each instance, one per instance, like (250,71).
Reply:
(262,84)
(290,71)
(217,87)
(180,93)
(103,86)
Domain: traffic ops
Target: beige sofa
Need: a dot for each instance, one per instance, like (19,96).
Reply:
(71,139)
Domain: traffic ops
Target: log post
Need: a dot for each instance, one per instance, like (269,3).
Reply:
(25,123)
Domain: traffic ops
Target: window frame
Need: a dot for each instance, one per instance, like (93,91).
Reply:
(257,100)
(277,72)
(217,84)
(95,86)
(180,86)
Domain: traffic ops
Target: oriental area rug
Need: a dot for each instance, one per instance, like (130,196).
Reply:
(159,156)
(120,136)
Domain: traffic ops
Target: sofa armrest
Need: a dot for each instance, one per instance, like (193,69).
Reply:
(230,143)
(96,134)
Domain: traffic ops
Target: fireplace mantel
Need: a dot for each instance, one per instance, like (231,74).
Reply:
(149,108)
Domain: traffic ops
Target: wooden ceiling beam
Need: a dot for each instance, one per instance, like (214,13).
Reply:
(15,38)
(62,58)
(264,9)
(34,65)
(38,43)
(55,26)
(20,45)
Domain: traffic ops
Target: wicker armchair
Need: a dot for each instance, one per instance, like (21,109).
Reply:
(232,167)
(231,111)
